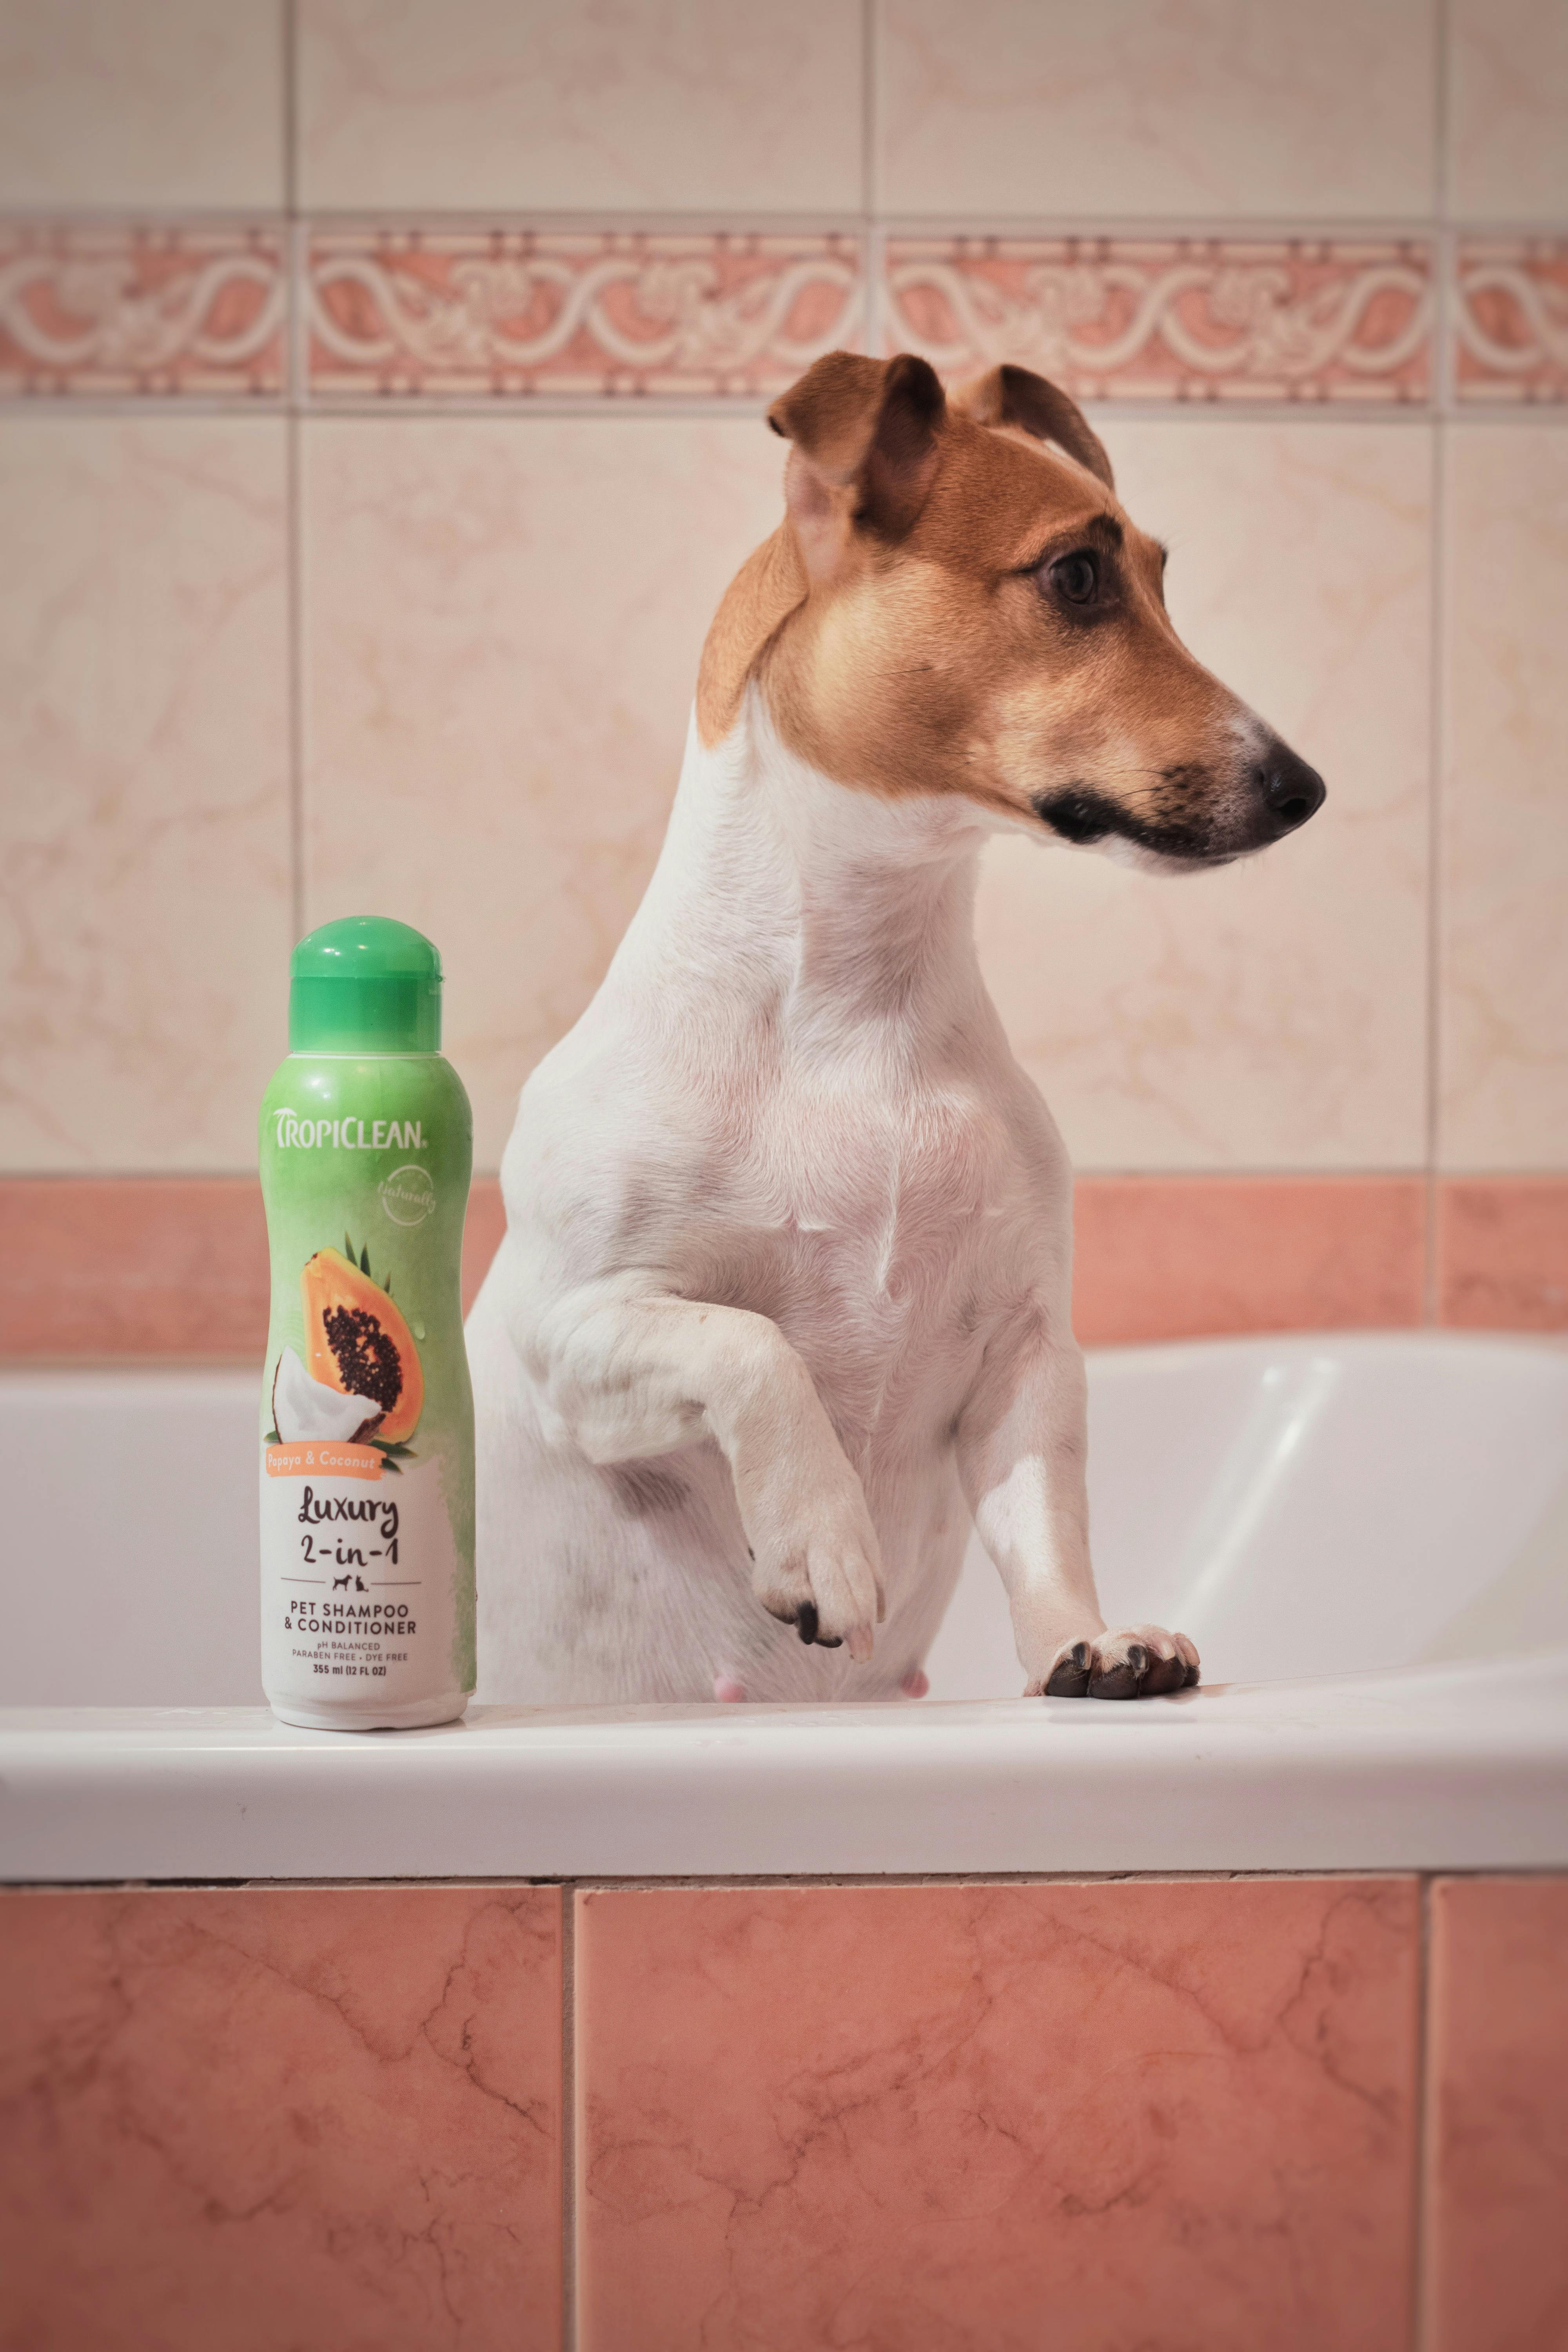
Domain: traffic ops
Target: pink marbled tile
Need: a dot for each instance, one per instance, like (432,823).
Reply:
(986,2118)
(127,308)
(503,313)
(1173,319)
(306,2118)
(1510,319)
(1183,1258)
(1497,2268)
(95,1266)
(1502,1253)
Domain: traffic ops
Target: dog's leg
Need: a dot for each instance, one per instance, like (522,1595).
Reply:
(629,1372)
(1023,1452)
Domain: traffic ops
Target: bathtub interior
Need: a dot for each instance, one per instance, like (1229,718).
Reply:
(1301,1506)
(1313,1507)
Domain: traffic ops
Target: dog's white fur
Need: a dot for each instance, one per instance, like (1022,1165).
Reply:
(784,1296)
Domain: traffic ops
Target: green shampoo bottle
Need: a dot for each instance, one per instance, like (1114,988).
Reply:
(367,1417)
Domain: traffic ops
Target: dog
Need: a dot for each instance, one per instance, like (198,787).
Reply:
(783,1306)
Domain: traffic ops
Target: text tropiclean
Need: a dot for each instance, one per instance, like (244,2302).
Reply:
(347,1134)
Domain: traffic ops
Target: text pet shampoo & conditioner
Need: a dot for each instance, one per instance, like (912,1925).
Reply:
(367,1417)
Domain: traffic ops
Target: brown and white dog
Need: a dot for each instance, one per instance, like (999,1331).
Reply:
(783,1302)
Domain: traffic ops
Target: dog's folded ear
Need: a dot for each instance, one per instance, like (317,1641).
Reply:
(1011,395)
(865,434)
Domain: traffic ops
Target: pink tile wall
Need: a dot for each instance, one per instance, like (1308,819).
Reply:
(982,2117)
(937,2118)
(486,302)
(1497,2151)
(177,1267)
(269,2118)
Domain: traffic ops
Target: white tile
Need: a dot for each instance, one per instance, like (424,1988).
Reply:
(505,618)
(1272,1014)
(144,825)
(1157,108)
(632,104)
(129,102)
(1508,109)
(1504,1026)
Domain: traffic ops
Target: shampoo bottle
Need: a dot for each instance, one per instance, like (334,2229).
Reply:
(367,1417)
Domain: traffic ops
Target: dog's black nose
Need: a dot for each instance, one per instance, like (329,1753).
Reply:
(1291,791)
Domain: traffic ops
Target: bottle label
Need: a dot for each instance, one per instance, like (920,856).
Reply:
(368,1582)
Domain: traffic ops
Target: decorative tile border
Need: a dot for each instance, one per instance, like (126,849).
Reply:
(147,310)
(1181,319)
(504,313)
(1510,319)
(150,311)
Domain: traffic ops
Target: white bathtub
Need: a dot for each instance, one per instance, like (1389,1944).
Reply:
(1367,1535)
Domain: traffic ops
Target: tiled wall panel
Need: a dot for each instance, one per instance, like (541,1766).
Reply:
(1502,1253)
(626,106)
(969,2119)
(168,102)
(1497,2149)
(144,831)
(266,2118)
(1509,101)
(1218,109)
(1504,1010)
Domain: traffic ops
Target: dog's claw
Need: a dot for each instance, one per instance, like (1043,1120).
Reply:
(1070,1676)
(1165,1675)
(1121,1681)
(806,1621)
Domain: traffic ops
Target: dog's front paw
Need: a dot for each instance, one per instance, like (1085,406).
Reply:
(817,1566)
(1138,1662)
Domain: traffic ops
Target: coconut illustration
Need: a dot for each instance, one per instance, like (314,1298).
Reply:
(303,1407)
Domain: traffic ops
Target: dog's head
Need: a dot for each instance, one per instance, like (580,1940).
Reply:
(957,604)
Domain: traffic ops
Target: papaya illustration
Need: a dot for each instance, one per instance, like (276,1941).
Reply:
(357,1341)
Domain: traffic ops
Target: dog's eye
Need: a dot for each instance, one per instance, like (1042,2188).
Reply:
(1076,577)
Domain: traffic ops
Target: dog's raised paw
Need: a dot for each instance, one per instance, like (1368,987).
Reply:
(819,1571)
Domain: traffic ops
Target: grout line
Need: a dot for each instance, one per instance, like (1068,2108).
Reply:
(1437,753)
(294,316)
(871,239)
(288,34)
(569,2116)
(979,228)
(869,109)
(296,678)
(1445,258)
(655,407)
(1424,2120)
(1442,108)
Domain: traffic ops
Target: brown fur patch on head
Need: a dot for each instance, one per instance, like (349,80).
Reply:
(957,604)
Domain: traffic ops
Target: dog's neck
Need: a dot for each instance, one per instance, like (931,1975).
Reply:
(826,907)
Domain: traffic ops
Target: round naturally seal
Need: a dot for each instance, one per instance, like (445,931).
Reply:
(407,1195)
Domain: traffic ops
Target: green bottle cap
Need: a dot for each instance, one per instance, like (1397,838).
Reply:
(366,985)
